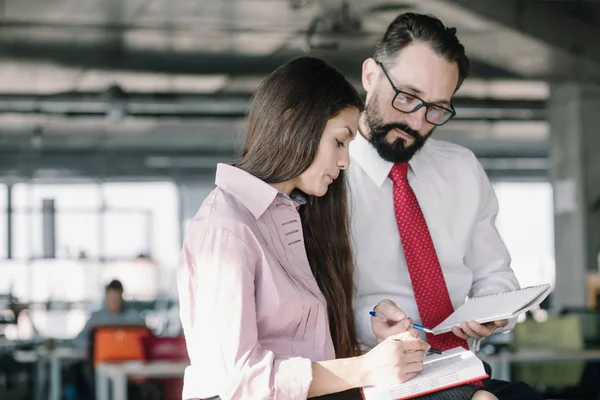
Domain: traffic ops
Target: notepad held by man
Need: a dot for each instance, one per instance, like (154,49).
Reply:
(453,368)
(495,307)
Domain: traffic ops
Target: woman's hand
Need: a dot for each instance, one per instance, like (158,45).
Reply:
(395,360)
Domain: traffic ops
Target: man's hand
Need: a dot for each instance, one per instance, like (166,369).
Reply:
(395,321)
(475,330)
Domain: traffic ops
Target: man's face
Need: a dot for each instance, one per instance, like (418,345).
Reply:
(417,70)
(114,301)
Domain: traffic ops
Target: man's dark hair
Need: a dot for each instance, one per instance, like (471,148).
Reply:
(411,28)
(115,285)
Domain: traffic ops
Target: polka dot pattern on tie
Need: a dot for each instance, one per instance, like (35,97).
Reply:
(426,276)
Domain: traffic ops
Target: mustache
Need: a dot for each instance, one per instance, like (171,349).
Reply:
(385,128)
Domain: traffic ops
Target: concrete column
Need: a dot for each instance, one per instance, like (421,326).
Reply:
(48,228)
(9,222)
(574,116)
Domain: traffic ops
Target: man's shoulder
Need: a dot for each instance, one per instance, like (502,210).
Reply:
(447,151)
(100,312)
(449,161)
(130,312)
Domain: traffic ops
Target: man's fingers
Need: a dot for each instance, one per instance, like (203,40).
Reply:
(466,328)
(458,332)
(413,332)
(406,323)
(390,310)
(383,329)
(501,323)
(482,330)
(475,330)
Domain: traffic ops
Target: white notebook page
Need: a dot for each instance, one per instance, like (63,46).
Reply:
(495,306)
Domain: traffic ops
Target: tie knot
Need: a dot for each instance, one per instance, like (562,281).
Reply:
(399,172)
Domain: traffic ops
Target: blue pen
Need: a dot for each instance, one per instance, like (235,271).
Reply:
(416,326)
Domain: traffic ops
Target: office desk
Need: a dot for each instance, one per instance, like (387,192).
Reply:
(56,358)
(117,374)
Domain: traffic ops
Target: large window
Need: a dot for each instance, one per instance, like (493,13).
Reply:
(526,223)
(128,231)
(76,219)
(146,217)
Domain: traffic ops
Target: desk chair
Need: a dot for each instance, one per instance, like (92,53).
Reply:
(560,333)
(157,348)
(115,343)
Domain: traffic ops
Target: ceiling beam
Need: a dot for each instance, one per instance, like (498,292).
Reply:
(533,39)
(348,59)
(57,165)
(116,104)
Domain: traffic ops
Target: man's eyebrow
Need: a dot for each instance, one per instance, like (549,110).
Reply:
(419,93)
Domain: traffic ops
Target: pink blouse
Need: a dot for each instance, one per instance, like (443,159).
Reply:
(253,315)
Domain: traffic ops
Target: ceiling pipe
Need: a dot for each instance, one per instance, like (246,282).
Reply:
(116,103)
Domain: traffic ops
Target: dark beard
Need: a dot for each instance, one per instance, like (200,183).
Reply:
(397,151)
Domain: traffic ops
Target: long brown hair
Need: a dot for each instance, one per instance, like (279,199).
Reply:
(286,119)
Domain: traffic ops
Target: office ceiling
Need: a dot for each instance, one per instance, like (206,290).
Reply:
(151,77)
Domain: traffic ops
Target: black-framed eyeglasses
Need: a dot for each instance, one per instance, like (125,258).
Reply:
(409,103)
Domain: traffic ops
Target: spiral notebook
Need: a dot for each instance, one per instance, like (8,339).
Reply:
(495,307)
(453,368)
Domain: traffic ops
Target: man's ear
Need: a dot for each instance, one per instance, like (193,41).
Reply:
(370,74)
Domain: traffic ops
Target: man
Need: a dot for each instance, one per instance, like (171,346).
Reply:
(423,210)
(113,313)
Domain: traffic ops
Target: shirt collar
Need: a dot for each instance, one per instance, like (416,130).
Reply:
(295,196)
(376,167)
(254,194)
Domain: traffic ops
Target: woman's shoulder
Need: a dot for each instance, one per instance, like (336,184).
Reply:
(222,212)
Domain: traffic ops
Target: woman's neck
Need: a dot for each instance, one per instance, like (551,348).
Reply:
(284,187)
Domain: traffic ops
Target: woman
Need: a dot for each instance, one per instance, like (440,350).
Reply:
(266,283)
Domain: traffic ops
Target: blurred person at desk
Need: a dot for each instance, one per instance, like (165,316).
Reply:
(114,312)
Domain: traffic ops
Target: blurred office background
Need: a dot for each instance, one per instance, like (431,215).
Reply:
(114,113)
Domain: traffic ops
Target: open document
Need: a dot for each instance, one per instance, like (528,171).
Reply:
(453,368)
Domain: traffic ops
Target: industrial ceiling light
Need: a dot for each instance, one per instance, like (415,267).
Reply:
(298,4)
(332,21)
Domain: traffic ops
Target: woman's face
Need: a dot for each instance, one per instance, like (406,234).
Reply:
(332,154)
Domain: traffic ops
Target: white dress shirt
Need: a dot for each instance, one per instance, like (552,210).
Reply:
(460,207)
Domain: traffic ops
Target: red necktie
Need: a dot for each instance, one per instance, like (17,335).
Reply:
(429,286)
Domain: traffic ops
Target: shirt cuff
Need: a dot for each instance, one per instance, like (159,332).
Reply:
(474,344)
(293,378)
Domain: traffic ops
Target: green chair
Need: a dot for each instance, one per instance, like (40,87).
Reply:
(560,333)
